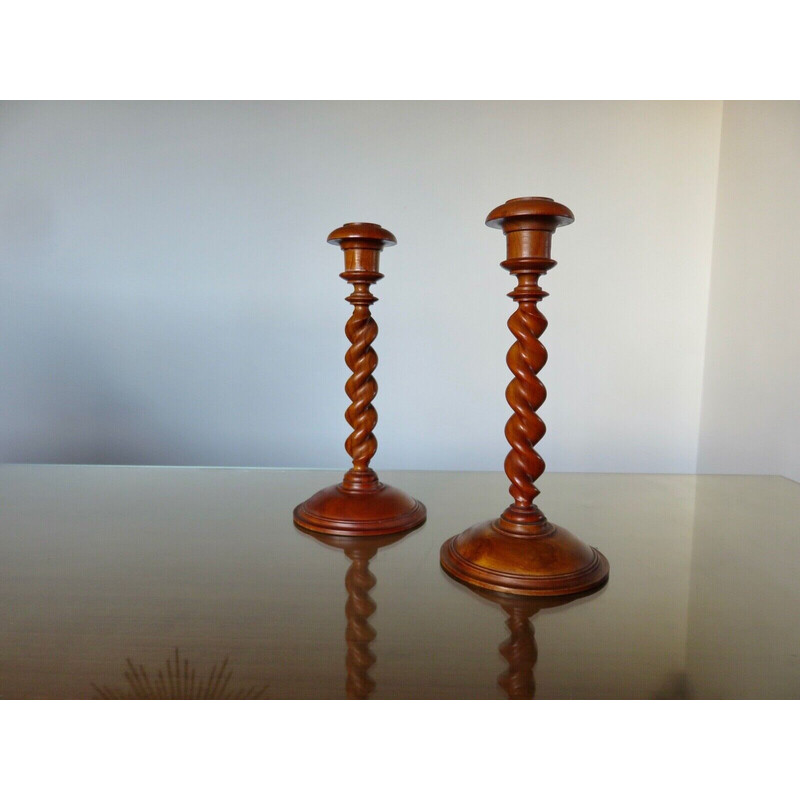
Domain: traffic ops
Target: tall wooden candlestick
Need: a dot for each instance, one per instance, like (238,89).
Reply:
(361,505)
(521,552)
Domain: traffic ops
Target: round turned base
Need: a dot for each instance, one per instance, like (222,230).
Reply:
(378,511)
(367,546)
(548,562)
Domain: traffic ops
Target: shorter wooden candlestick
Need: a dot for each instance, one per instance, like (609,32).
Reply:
(361,505)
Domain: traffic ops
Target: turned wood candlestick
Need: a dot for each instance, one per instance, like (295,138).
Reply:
(360,606)
(361,505)
(521,552)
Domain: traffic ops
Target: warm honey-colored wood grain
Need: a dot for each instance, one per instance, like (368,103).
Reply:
(361,505)
(522,552)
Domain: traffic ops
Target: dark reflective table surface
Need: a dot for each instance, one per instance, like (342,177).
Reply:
(182,582)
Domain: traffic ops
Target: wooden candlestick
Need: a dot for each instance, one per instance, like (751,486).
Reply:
(361,505)
(521,552)
(360,606)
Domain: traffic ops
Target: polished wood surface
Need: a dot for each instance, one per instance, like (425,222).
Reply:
(102,566)
(361,505)
(522,552)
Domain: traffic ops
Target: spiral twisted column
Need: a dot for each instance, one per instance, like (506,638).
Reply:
(521,552)
(359,634)
(526,393)
(361,387)
(361,505)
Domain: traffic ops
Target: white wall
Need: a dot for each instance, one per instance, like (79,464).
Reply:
(751,392)
(167,295)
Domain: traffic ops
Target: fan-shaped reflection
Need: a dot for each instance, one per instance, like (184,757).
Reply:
(360,606)
(178,680)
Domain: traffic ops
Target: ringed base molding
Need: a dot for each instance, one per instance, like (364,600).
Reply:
(551,563)
(380,511)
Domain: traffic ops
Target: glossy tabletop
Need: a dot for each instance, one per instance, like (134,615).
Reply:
(184,582)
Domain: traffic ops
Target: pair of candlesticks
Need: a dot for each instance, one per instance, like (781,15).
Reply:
(521,552)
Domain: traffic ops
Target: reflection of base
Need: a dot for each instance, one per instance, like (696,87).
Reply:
(360,606)
(519,649)
(521,653)
(178,682)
